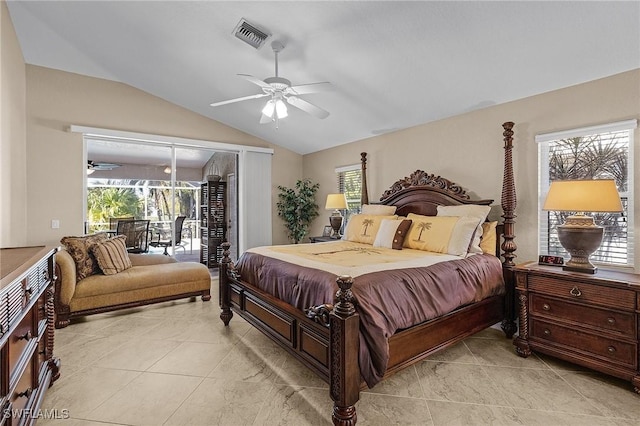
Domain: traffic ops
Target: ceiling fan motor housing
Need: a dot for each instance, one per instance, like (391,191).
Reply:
(278,83)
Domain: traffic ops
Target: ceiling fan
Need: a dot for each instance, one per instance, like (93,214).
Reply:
(92,166)
(280,90)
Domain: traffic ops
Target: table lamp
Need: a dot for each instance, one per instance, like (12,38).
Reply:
(336,202)
(579,235)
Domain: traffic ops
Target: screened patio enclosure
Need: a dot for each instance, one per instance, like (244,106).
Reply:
(151,182)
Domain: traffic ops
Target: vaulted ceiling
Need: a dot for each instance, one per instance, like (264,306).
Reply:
(392,64)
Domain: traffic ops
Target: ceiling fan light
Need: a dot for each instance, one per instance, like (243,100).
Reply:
(281,109)
(269,108)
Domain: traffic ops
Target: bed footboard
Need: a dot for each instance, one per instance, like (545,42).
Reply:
(331,352)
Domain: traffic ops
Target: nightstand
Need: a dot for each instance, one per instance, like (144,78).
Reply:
(322,239)
(591,320)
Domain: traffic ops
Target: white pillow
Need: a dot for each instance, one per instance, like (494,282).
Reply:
(469,210)
(378,209)
(391,233)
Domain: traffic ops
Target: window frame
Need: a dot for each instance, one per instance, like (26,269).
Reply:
(340,175)
(544,141)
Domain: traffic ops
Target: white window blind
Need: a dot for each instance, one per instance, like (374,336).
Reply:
(350,184)
(597,152)
(254,209)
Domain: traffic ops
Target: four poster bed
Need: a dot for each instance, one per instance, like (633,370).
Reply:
(384,317)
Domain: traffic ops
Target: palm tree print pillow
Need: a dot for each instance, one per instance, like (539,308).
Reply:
(441,234)
(363,228)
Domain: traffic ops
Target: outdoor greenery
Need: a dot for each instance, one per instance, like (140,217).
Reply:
(589,158)
(103,203)
(297,207)
(121,197)
(350,183)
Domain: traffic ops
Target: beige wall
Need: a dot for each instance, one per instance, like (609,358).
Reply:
(13,148)
(57,99)
(468,149)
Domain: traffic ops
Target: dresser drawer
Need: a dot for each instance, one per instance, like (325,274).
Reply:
(20,338)
(582,292)
(23,389)
(611,350)
(599,319)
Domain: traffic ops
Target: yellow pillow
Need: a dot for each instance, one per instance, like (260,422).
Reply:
(378,209)
(363,228)
(441,234)
(468,210)
(488,241)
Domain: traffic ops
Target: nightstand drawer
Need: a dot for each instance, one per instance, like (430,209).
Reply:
(612,350)
(582,292)
(599,319)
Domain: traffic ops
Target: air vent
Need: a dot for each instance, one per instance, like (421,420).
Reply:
(250,34)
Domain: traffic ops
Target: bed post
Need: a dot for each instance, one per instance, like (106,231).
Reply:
(364,194)
(223,282)
(344,348)
(508,245)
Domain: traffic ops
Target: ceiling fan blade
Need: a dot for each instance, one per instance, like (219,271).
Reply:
(307,107)
(303,89)
(244,98)
(255,80)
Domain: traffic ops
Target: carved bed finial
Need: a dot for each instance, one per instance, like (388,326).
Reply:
(364,193)
(344,306)
(421,178)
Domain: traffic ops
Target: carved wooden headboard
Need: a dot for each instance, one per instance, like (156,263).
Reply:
(421,193)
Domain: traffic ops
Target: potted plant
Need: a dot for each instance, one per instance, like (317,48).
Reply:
(297,207)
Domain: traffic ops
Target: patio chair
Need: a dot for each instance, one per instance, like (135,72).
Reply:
(164,239)
(137,233)
(113,223)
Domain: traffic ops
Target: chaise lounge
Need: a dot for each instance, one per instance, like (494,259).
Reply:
(151,278)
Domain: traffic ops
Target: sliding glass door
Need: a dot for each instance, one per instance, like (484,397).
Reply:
(158,183)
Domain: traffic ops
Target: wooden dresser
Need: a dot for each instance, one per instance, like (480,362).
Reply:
(27,366)
(591,320)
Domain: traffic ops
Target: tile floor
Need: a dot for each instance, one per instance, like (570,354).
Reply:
(176,364)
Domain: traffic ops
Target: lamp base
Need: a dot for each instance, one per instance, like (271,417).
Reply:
(336,223)
(580,237)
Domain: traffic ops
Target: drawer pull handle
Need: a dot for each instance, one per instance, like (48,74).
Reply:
(611,349)
(547,332)
(26,336)
(546,307)
(575,291)
(27,393)
(611,320)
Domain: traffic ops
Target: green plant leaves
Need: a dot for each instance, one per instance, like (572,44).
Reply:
(297,207)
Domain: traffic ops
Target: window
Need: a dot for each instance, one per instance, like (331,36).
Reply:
(350,183)
(598,152)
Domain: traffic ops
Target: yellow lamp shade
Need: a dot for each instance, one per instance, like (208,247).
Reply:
(336,201)
(583,196)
